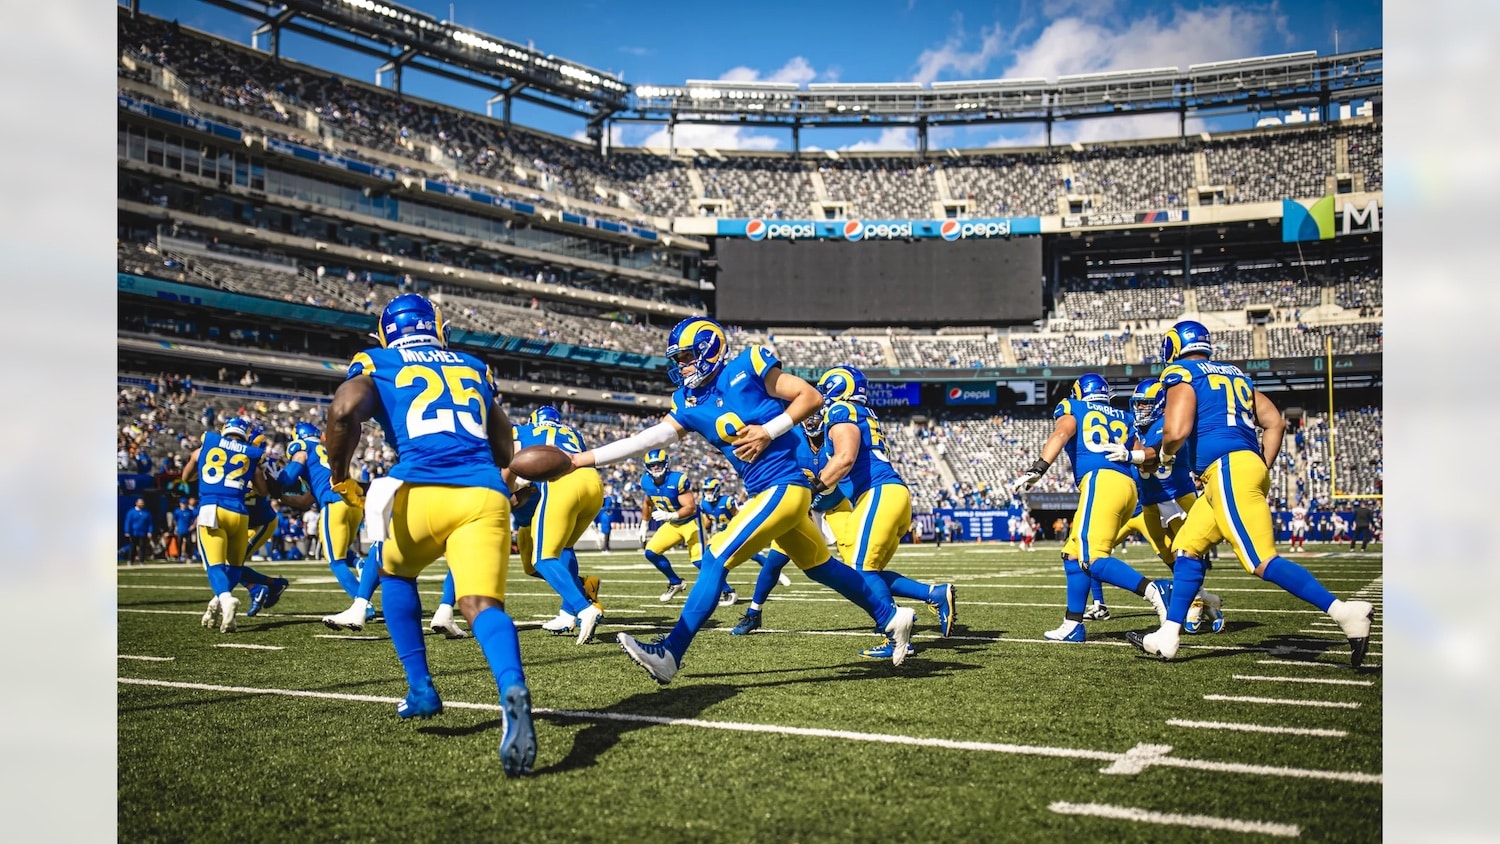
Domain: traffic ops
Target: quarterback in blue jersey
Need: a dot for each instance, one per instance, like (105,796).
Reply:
(1098,440)
(882,503)
(744,405)
(446,497)
(669,509)
(225,467)
(1211,416)
(564,510)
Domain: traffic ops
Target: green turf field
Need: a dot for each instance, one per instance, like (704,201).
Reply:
(786,735)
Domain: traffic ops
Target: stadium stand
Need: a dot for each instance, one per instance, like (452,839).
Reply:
(1105,302)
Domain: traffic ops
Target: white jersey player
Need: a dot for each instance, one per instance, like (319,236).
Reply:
(1299,528)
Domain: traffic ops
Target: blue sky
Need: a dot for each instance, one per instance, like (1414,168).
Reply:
(653,42)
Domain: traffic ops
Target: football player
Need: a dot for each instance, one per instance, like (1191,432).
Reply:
(670,509)
(308,459)
(264,591)
(882,503)
(564,510)
(1212,411)
(744,405)
(440,410)
(1098,439)
(225,467)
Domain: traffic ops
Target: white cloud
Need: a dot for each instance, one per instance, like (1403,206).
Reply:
(700,136)
(638,52)
(797,70)
(952,59)
(892,138)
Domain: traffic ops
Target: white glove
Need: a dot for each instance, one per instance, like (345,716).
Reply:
(662,515)
(1025,482)
(1166,459)
(1118,453)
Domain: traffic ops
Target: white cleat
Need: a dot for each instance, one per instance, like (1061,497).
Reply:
(561,624)
(226,615)
(1161,643)
(1154,597)
(899,627)
(1354,618)
(783,579)
(211,615)
(673,591)
(350,619)
(444,623)
(588,622)
(728,597)
(656,659)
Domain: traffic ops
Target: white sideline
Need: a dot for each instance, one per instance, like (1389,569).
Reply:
(1255,728)
(1310,663)
(1327,704)
(1127,813)
(248,646)
(1320,680)
(146,658)
(352,638)
(1132,757)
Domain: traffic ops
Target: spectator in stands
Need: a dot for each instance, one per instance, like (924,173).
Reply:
(138,529)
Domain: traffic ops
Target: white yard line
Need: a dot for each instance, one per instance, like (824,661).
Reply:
(1280,701)
(1307,663)
(146,658)
(1318,680)
(1132,758)
(248,646)
(1127,813)
(1256,728)
(351,638)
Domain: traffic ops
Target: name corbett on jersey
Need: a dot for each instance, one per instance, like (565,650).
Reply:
(429,356)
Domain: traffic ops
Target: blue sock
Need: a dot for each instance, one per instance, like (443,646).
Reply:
(234,576)
(218,578)
(851,584)
(1097,589)
(1298,581)
(403,620)
(880,594)
(369,576)
(570,559)
(449,597)
(564,584)
(344,574)
(1187,579)
(1117,572)
(664,566)
(496,633)
(251,577)
(905,587)
(771,565)
(1078,588)
(702,599)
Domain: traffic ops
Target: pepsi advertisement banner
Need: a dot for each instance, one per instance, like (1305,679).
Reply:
(857,230)
(902,394)
(971,393)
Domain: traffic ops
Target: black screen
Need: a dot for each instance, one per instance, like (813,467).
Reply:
(879,282)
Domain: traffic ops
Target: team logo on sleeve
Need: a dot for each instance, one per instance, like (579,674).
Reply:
(755,229)
(854,230)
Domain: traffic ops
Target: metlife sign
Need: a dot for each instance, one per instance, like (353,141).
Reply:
(970,393)
(857,230)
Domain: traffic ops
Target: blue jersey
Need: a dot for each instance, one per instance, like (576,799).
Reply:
(736,398)
(666,494)
(1225,416)
(225,469)
(260,509)
(1098,424)
(434,408)
(319,480)
(1164,484)
(872,466)
(565,437)
(828,498)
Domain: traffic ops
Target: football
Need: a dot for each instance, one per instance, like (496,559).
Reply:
(541,463)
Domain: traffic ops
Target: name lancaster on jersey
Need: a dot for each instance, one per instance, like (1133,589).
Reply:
(735,399)
(872,466)
(666,495)
(1224,420)
(225,470)
(434,408)
(1098,425)
(1164,484)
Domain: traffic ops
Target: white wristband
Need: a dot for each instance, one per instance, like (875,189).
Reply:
(656,436)
(1137,456)
(519,484)
(778,426)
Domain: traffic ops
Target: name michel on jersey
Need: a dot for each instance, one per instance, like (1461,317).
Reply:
(429,355)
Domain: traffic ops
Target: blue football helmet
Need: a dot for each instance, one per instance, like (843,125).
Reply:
(411,320)
(843,383)
(656,462)
(307,431)
(697,344)
(235,427)
(1186,337)
(711,488)
(1148,401)
(815,424)
(546,415)
(258,436)
(1092,388)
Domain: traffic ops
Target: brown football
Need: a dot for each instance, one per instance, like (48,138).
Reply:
(541,463)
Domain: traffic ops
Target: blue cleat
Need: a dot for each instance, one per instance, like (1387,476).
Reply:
(1070,631)
(278,585)
(748,623)
(518,736)
(659,662)
(946,607)
(885,650)
(370,614)
(420,702)
(258,597)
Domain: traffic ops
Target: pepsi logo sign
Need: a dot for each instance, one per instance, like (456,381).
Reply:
(954,393)
(854,230)
(755,229)
(949,230)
